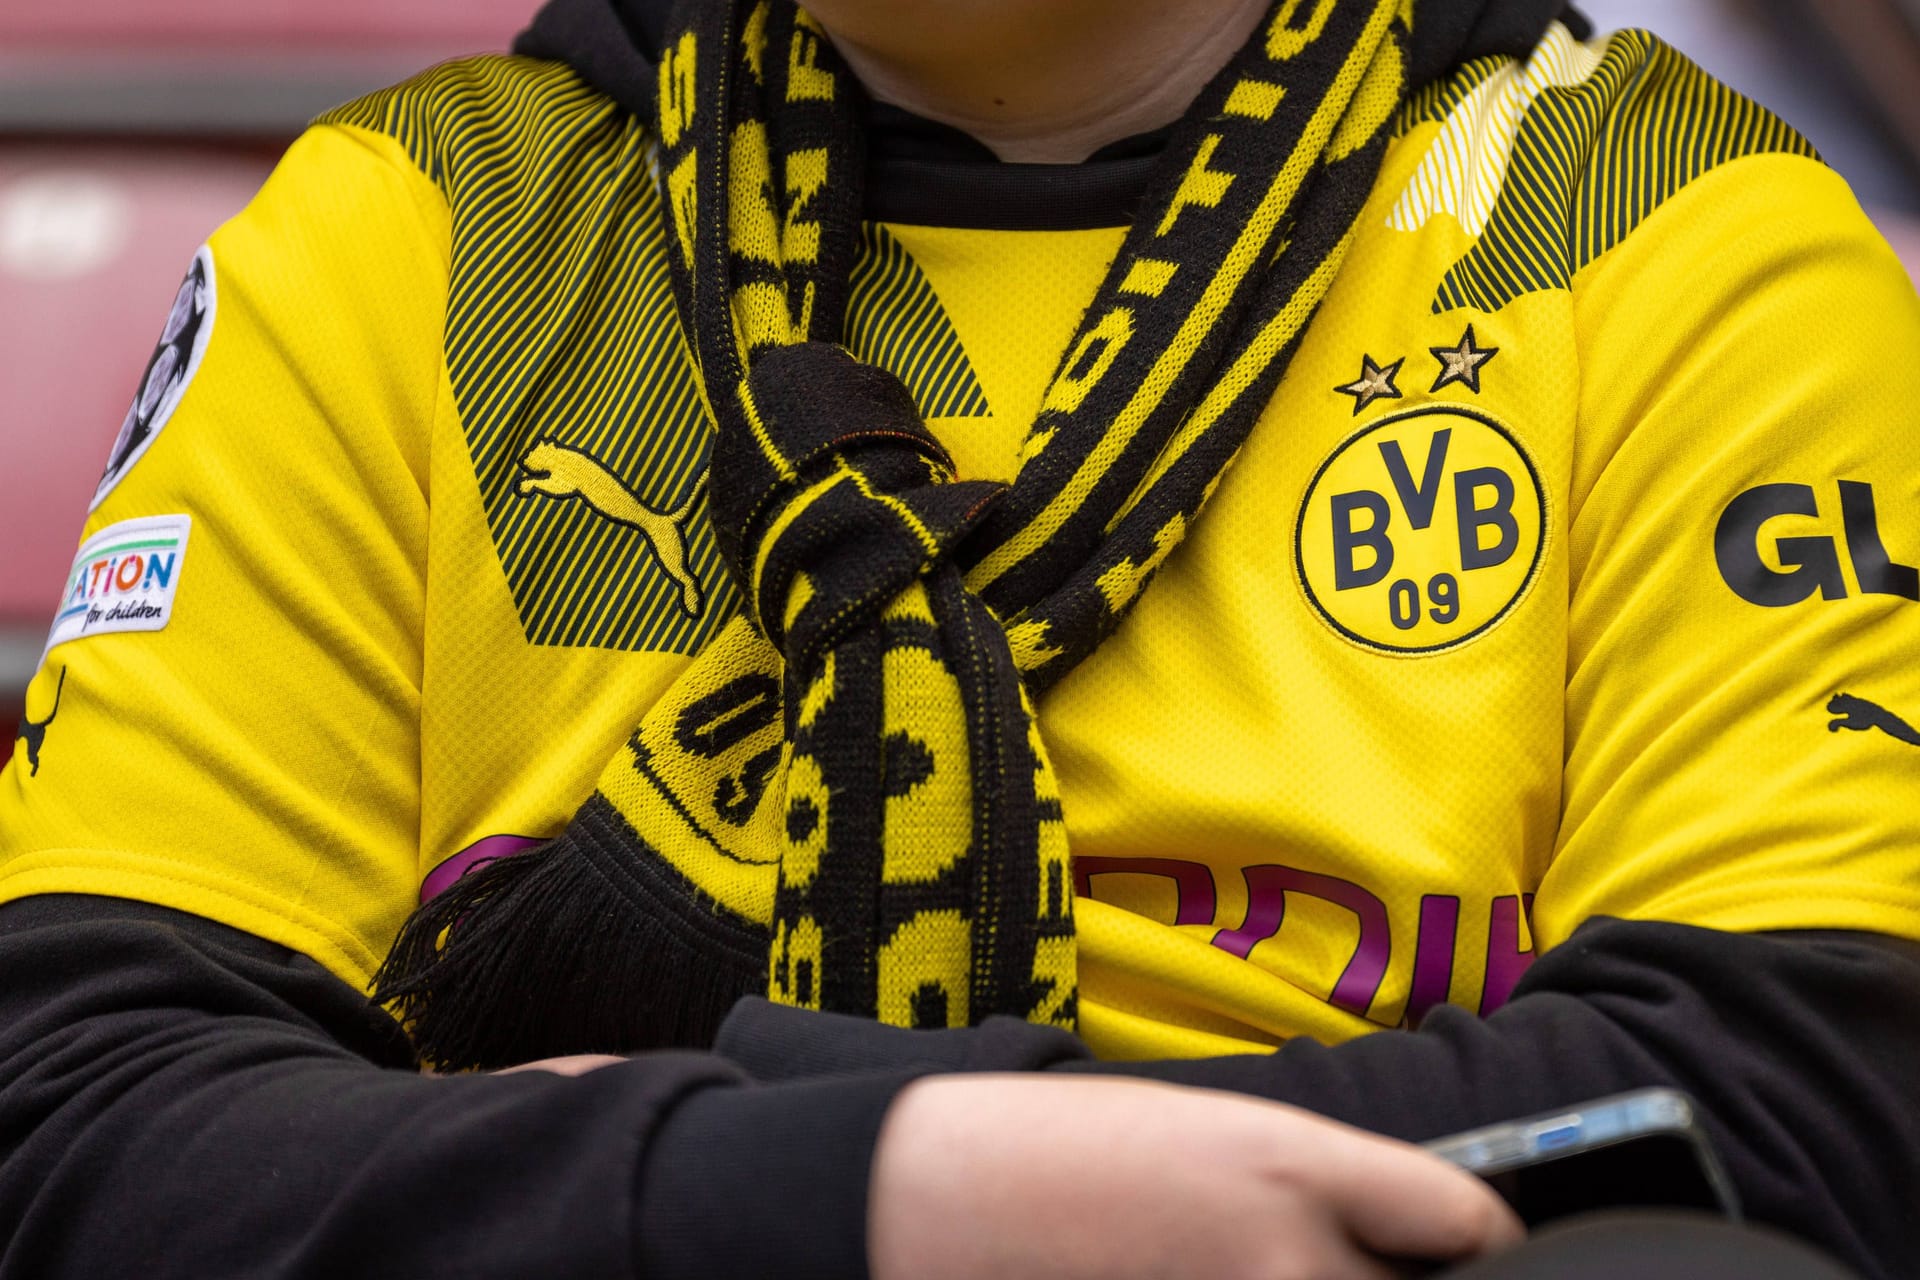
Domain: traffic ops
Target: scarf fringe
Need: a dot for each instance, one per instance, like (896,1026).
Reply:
(540,955)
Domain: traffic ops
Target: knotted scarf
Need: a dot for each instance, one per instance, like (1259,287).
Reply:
(845,801)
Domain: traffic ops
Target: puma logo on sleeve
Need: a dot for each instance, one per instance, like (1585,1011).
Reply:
(34,732)
(556,471)
(1859,715)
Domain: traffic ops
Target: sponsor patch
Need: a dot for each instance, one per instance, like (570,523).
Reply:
(183,342)
(124,579)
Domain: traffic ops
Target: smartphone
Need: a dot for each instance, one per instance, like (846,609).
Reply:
(1639,1149)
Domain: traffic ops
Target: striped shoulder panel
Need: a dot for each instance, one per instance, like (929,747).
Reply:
(568,368)
(563,347)
(1437,100)
(895,320)
(1553,161)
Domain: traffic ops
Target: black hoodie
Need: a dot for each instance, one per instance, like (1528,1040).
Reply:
(178,1099)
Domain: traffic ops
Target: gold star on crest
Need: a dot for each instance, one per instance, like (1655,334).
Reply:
(1462,363)
(1374,383)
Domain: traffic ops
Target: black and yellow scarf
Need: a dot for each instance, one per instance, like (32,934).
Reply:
(845,802)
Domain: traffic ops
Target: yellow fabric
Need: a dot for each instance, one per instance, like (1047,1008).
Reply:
(257,760)
(1017,295)
(346,697)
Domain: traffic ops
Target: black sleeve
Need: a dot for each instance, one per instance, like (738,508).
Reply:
(179,1099)
(1803,1051)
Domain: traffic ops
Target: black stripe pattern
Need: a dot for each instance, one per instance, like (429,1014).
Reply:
(561,330)
(1593,160)
(895,320)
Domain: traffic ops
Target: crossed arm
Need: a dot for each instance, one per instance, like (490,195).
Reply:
(180,1098)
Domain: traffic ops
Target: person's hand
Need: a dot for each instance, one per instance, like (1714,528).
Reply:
(1002,1177)
(578,1064)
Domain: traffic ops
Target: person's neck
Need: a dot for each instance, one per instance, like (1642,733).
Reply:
(1040,81)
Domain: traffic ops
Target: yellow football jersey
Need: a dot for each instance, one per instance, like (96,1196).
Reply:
(1569,573)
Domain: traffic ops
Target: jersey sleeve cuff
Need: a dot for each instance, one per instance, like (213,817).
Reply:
(767,1180)
(774,1042)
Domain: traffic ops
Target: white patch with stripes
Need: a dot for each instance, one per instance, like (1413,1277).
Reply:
(124,579)
(1463,169)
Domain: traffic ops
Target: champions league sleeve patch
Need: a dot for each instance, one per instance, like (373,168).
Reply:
(124,579)
(175,360)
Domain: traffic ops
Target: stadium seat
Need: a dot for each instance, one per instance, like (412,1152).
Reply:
(215,22)
(93,243)
(222,67)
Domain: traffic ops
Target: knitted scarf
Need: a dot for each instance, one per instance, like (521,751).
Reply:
(845,802)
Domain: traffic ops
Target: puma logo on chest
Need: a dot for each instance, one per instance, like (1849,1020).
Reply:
(1860,715)
(556,471)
